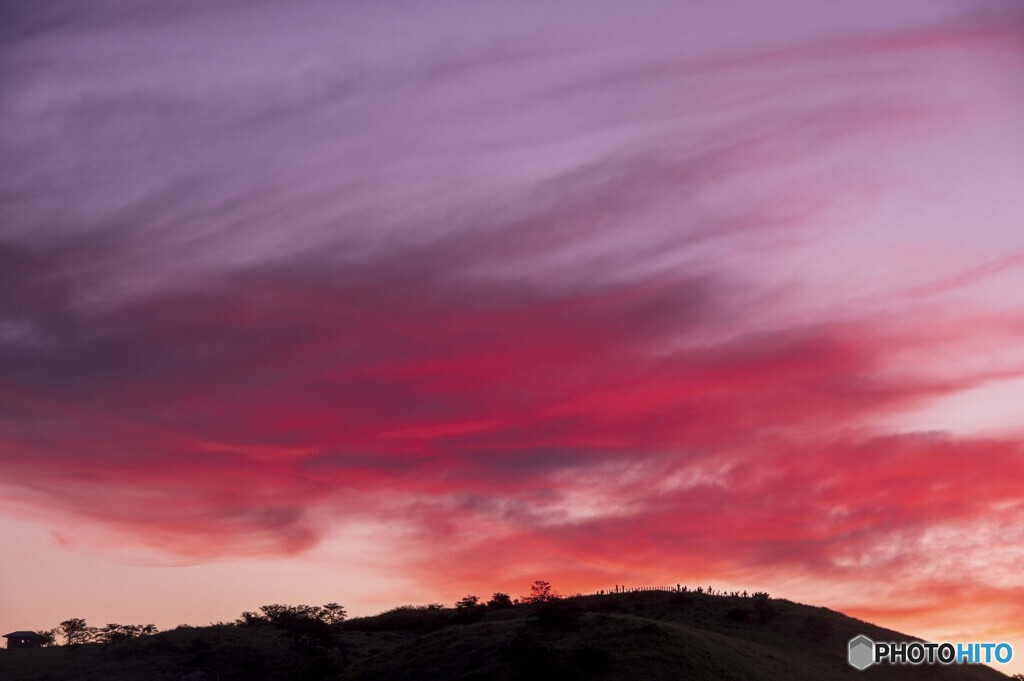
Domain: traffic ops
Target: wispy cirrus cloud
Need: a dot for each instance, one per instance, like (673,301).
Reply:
(602,309)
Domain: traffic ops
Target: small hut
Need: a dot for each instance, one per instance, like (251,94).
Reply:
(25,639)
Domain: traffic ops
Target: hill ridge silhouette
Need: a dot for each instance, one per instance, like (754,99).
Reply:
(633,635)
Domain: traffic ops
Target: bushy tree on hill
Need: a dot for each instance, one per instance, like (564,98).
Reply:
(468,603)
(414,608)
(500,601)
(540,592)
(123,632)
(469,609)
(307,625)
(75,631)
(49,636)
(331,613)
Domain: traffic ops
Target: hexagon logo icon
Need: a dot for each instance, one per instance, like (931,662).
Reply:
(862,652)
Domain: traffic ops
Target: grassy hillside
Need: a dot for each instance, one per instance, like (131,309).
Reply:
(622,636)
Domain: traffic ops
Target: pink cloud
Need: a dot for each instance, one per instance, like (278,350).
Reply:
(578,321)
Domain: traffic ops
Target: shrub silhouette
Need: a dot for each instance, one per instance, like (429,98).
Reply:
(500,601)
(420,618)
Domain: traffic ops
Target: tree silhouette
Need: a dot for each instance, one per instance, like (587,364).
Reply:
(49,636)
(333,613)
(115,632)
(540,592)
(500,601)
(468,603)
(277,613)
(250,618)
(123,632)
(469,609)
(76,631)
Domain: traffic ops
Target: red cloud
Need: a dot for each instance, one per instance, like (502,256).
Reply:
(313,380)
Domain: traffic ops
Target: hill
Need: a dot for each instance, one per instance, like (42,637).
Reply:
(651,636)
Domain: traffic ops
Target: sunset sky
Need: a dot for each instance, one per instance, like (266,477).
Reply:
(392,302)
